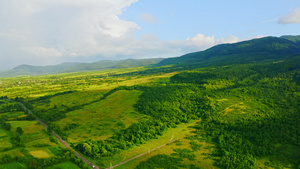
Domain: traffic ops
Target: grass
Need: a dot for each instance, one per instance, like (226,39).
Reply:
(12,115)
(13,152)
(2,133)
(65,165)
(202,159)
(5,143)
(180,131)
(76,98)
(234,108)
(33,132)
(40,153)
(56,150)
(13,165)
(37,86)
(34,138)
(99,120)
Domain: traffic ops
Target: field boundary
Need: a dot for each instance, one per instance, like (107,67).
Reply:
(61,140)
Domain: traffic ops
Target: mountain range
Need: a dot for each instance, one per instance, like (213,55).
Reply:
(251,51)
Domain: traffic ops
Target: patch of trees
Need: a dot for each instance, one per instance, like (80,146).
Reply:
(10,107)
(40,163)
(6,126)
(167,107)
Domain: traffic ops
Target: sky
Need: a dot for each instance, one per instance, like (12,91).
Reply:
(48,32)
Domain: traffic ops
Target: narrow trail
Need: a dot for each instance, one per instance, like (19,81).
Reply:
(83,158)
(144,153)
(61,140)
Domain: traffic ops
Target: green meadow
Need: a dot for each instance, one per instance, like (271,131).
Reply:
(99,120)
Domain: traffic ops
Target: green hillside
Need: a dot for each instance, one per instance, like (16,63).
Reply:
(295,39)
(263,49)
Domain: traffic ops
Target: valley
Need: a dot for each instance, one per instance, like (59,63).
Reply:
(231,106)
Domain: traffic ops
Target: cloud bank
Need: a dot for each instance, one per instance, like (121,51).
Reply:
(53,31)
(293,17)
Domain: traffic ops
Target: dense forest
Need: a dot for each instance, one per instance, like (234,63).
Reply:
(241,139)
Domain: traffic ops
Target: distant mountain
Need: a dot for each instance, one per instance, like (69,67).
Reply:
(110,64)
(77,67)
(295,39)
(263,49)
(252,51)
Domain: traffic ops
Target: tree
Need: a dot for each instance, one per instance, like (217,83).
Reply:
(20,130)
(7,126)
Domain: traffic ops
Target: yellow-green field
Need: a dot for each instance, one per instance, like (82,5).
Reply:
(181,132)
(99,120)
(40,152)
(37,86)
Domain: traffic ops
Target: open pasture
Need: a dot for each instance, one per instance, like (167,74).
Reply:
(99,120)
(65,165)
(13,165)
(40,152)
(179,132)
(34,134)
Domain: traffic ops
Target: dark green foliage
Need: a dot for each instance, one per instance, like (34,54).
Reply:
(243,139)
(185,153)
(10,107)
(174,104)
(3,124)
(161,161)
(57,151)
(295,39)
(252,51)
(19,130)
(33,163)
(195,146)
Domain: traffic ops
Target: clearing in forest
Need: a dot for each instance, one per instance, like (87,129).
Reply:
(99,120)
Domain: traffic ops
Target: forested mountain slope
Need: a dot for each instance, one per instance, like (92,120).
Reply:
(251,51)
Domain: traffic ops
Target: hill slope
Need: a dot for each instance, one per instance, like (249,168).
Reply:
(263,49)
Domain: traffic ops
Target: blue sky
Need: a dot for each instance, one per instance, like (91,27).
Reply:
(176,20)
(54,31)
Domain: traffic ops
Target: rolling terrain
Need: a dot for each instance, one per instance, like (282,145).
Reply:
(230,106)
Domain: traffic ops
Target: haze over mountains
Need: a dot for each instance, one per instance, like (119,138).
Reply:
(262,49)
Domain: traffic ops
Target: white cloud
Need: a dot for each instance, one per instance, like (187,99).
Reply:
(293,17)
(42,52)
(228,39)
(148,18)
(201,40)
(52,31)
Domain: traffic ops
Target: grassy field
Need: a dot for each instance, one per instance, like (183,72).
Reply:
(99,120)
(13,165)
(65,165)
(181,131)
(37,86)
(5,143)
(34,136)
